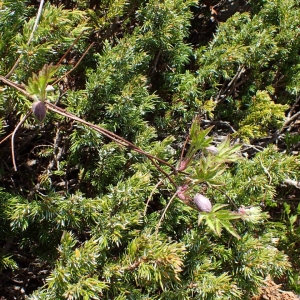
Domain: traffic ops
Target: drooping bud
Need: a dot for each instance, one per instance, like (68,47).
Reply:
(202,203)
(212,150)
(39,110)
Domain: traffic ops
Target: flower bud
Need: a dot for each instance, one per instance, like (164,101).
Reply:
(202,203)
(39,110)
(212,150)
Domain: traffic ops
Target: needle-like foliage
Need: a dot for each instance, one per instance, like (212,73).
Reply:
(149,103)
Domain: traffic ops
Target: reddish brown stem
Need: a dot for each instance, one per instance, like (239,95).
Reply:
(111,135)
(183,148)
(79,61)
(76,40)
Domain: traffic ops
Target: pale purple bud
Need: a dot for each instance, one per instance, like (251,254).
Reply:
(212,149)
(202,203)
(39,110)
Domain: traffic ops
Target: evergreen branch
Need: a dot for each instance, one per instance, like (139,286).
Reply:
(238,74)
(293,107)
(218,122)
(295,147)
(155,62)
(39,13)
(295,183)
(229,88)
(248,146)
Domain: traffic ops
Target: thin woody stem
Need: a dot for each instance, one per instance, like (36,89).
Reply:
(161,170)
(17,87)
(6,138)
(79,61)
(151,194)
(108,134)
(224,193)
(39,13)
(164,212)
(182,151)
(13,138)
(69,49)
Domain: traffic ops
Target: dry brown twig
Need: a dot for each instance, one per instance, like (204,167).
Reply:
(6,138)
